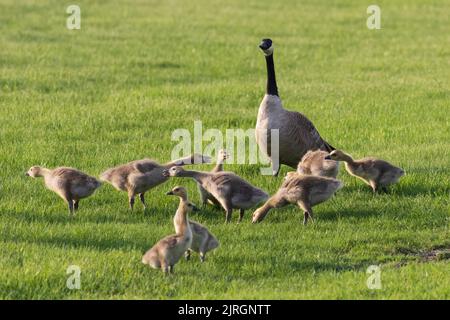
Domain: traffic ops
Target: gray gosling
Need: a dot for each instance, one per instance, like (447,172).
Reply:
(377,173)
(169,250)
(230,190)
(202,240)
(138,177)
(316,163)
(305,191)
(205,196)
(70,184)
(297,134)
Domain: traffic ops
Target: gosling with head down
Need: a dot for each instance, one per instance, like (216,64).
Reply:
(305,191)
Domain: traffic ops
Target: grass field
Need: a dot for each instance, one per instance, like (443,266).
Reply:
(115,90)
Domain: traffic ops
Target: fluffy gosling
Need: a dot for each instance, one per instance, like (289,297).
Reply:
(168,251)
(203,240)
(377,173)
(70,184)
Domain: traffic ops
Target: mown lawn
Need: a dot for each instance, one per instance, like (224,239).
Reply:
(115,91)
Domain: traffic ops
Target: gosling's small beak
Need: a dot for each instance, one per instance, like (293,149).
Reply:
(170,193)
(27,174)
(165,173)
(195,209)
(328,158)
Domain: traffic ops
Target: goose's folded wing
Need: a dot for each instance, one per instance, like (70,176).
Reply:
(303,131)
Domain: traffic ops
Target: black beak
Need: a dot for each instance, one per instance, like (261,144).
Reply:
(265,44)
(165,173)
(170,193)
(27,174)
(328,158)
(195,209)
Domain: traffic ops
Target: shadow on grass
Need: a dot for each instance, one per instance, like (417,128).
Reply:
(126,217)
(355,213)
(90,243)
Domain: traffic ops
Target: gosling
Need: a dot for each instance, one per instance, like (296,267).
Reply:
(205,196)
(138,177)
(70,184)
(229,189)
(169,250)
(377,173)
(316,163)
(304,190)
(202,240)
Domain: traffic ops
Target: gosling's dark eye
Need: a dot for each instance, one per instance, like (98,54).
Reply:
(177,189)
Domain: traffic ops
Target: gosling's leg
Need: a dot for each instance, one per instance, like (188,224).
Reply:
(241,215)
(226,205)
(307,211)
(171,269)
(131,196)
(142,197)
(202,256)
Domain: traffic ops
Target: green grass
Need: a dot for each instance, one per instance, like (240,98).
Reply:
(137,70)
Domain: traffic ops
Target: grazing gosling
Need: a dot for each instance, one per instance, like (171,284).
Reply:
(230,190)
(168,251)
(138,177)
(377,173)
(70,184)
(202,240)
(316,163)
(304,190)
(205,196)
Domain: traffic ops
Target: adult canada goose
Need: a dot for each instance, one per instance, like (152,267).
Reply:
(137,177)
(202,240)
(304,190)
(296,134)
(316,163)
(205,196)
(168,251)
(377,173)
(70,184)
(230,190)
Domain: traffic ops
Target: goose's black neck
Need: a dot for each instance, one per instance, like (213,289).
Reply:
(271,81)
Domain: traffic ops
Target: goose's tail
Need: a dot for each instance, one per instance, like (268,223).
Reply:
(328,147)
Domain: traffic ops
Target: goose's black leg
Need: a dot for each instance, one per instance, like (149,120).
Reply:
(241,215)
(142,197)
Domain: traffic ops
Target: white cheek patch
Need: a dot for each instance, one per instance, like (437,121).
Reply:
(269,51)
